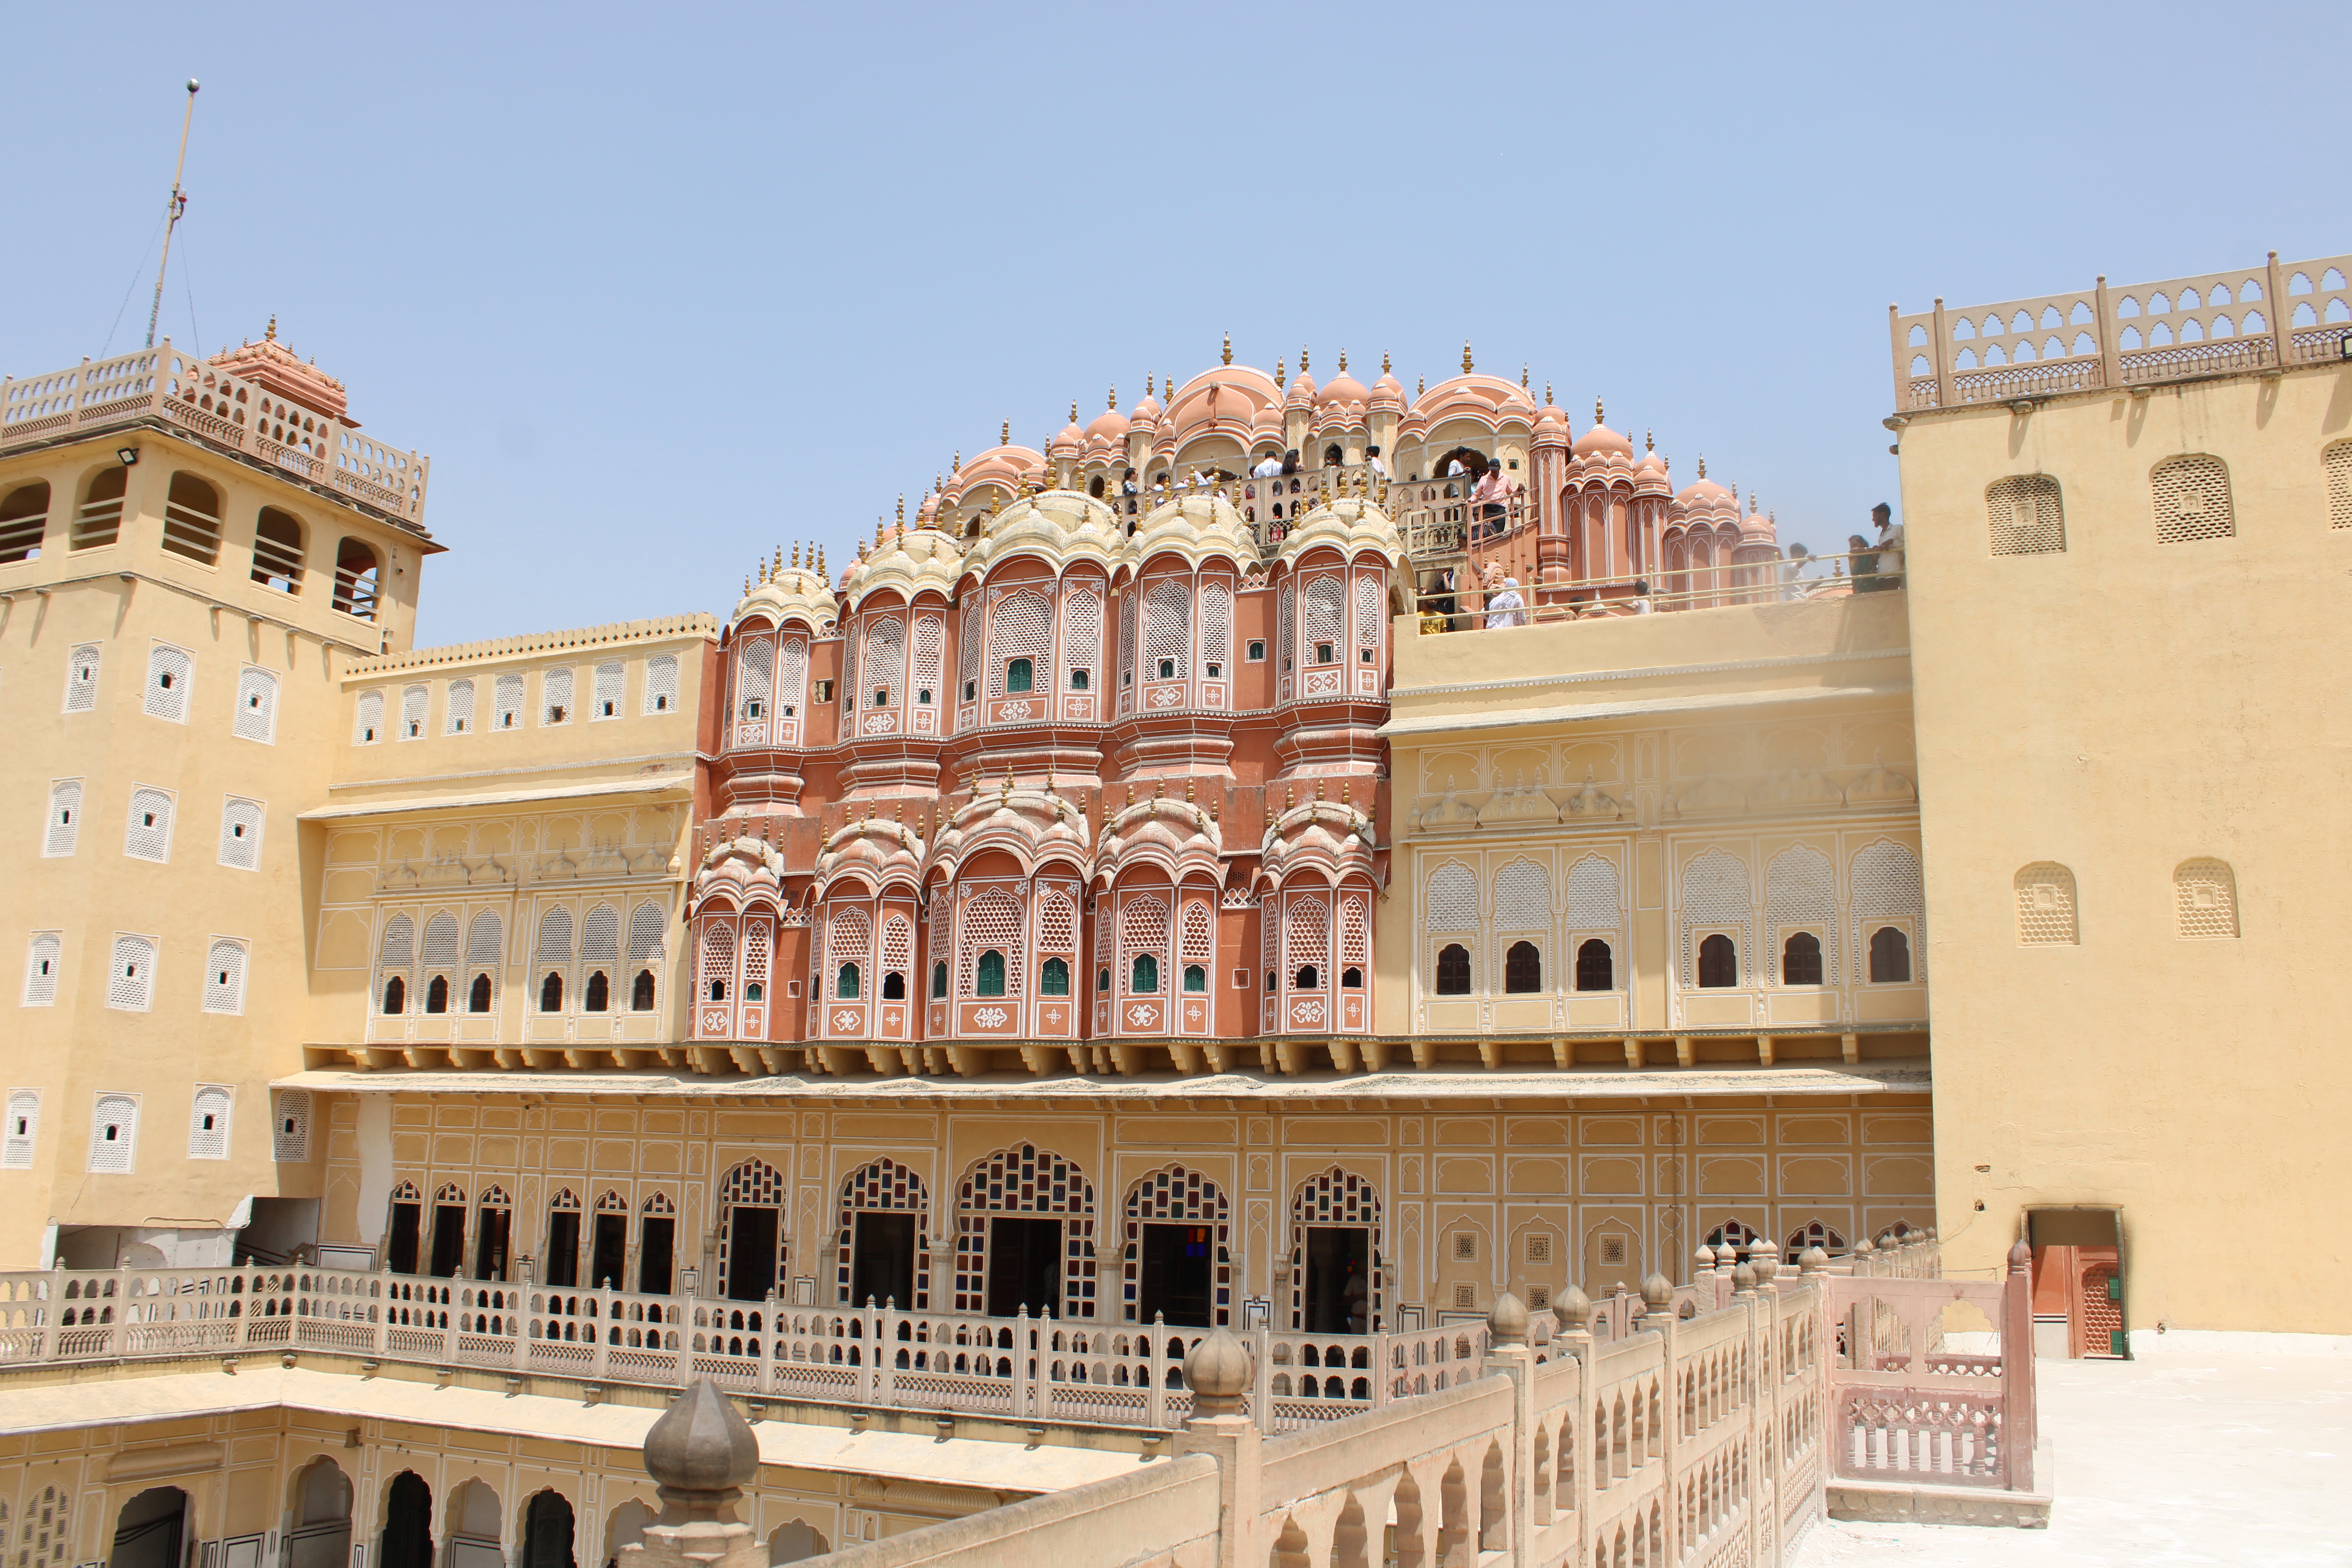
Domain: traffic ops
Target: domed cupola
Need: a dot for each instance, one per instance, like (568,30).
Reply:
(1178,838)
(1316,881)
(1600,441)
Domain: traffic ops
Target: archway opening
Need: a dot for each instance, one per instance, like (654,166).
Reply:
(150,1531)
(547,1531)
(322,1536)
(407,1540)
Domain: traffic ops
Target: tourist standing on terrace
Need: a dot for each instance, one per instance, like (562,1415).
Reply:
(1506,608)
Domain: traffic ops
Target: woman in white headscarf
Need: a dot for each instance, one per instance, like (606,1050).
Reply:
(1506,608)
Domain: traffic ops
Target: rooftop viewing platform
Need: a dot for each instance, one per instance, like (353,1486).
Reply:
(2272,316)
(258,400)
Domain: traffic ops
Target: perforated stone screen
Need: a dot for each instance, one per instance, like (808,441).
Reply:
(168,672)
(224,977)
(81,679)
(661,683)
(457,708)
(2026,516)
(1453,898)
(2206,894)
(63,831)
(1800,888)
(1082,629)
(113,1134)
(2337,461)
(42,956)
(1594,897)
(1715,893)
(555,696)
(240,838)
(507,700)
(2192,500)
(1884,884)
(1522,898)
(440,947)
(257,706)
(646,925)
(208,1124)
(1020,627)
(413,703)
(600,935)
(147,833)
(367,723)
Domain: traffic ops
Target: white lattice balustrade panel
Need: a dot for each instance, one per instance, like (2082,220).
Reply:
(930,653)
(1142,927)
(1800,888)
(2026,516)
(1522,897)
(509,700)
(1199,942)
(439,950)
(1022,627)
(2206,893)
(756,948)
(1369,604)
(1355,932)
(755,690)
(886,657)
(612,679)
(897,945)
(2045,906)
(2192,500)
(991,923)
(1167,627)
(661,684)
(1595,899)
(1454,897)
(1323,610)
(367,723)
(1216,622)
(1715,894)
(600,935)
(1884,884)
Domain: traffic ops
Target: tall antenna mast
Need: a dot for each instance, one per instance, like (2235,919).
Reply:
(172,211)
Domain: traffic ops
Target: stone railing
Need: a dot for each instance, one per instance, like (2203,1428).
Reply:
(163,384)
(1692,1440)
(2277,314)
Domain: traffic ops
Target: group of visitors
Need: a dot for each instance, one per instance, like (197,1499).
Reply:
(1875,566)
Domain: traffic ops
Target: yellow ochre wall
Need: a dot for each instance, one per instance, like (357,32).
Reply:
(2119,708)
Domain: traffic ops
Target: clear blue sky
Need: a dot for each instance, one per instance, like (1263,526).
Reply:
(658,288)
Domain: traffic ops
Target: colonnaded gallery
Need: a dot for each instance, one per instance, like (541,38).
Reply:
(1137,894)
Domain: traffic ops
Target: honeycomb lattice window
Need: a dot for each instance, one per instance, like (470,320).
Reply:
(600,935)
(397,949)
(1465,1298)
(647,925)
(483,939)
(147,833)
(1800,890)
(1715,893)
(505,700)
(1539,1248)
(1081,630)
(81,679)
(2192,500)
(612,682)
(64,822)
(967,649)
(2336,462)
(457,708)
(1216,622)
(2045,906)
(1354,934)
(897,945)
(1539,1297)
(225,976)
(1168,627)
(1453,898)
(554,937)
(416,702)
(661,684)
(169,670)
(289,1127)
(208,1123)
(257,706)
(1325,605)
(1020,627)
(1307,933)
(439,947)
(886,657)
(1284,649)
(42,957)
(1466,1246)
(555,696)
(1058,925)
(2026,516)
(367,723)
(23,1131)
(114,1134)
(1368,611)
(991,923)
(1523,896)
(792,677)
(1142,930)
(1594,896)
(930,652)
(756,949)
(2206,892)
(240,836)
(1199,942)
(1884,885)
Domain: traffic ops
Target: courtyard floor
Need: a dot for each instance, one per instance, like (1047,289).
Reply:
(2208,1448)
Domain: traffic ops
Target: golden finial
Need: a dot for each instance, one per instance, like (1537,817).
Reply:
(1751,503)
(1280,378)
(1347,792)
(1289,796)
(1302,359)
(820,561)
(1160,789)
(1596,412)
(1702,465)
(1420,385)
(1523,378)
(955,464)
(1385,362)
(747,587)
(796,555)
(1547,394)
(938,486)
(1465,356)
(1343,362)
(270,336)
(880,524)
(778,570)
(1649,440)
(1005,435)
(1188,792)
(1113,404)
(902,512)
(1148,383)
(898,813)
(1318,791)
(1229,348)
(1130,791)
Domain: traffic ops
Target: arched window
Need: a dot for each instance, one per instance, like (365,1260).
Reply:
(845,983)
(1020,675)
(718,990)
(1102,979)
(640,994)
(988,977)
(551,992)
(355,579)
(477,999)
(2205,893)
(436,994)
(1454,970)
(1800,960)
(1144,978)
(1522,968)
(1307,979)
(395,996)
(278,550)
(1053,979)
(99,518)
(1890,956)
(192,520)
(1718,962)
(940,979)
(894,986)
(24,517)
(1351,979)
(1196,977)
(596,997)
(1596,967)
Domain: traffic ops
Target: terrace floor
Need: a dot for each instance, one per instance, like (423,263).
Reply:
(2208,1448)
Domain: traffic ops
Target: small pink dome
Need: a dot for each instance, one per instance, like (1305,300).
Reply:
(1342,389)
(1108,426)
(1388,392)
(1070,442)
(1704,491)
(1600,440)
(1302,391)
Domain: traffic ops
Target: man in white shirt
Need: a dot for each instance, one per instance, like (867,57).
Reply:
(1270,468)
(1372,457)
(1890,546)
